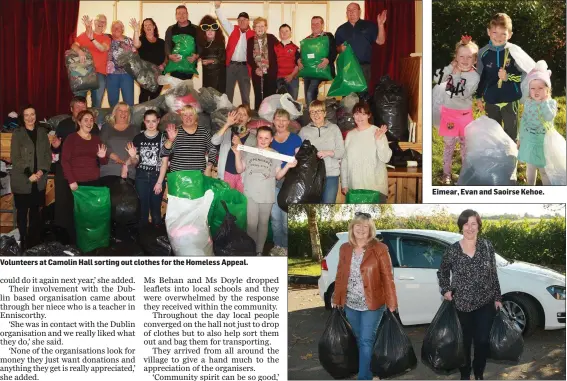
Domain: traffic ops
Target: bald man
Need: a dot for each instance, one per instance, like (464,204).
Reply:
(361,36)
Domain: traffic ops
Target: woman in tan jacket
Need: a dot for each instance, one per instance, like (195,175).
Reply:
(364,286)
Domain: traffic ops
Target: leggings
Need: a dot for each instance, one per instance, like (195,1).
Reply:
(531,174)
(258,216)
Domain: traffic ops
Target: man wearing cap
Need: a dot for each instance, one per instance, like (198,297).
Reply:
(183,26)
(237,69)
(361,36)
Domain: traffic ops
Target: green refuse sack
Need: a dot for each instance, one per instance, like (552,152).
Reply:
(185,46)
(186,184)
(235,201)
(193,184)
(92,217)
(363,196)
(313,50)
(349,78)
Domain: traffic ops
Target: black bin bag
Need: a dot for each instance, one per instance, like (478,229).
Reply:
(153,241)
(52,249)
(390,107)
(443,349)
(506,341)
(304,184)
(231,240)
(338,352)
(393,353)
(125,205)
(9,246)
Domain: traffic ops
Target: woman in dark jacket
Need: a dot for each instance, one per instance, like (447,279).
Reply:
(468,271)
(364,286)
(211,45)
(31,160)
(261,57)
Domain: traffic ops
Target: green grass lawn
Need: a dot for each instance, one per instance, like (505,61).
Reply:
(437,160)
(303,266)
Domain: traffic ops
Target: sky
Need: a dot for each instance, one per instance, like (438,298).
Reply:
(482,209)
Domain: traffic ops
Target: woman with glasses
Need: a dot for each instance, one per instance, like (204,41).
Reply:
(468,277)
(328,140)
(151,48)
(261,56)
(210,42)
(366,154)
(364,286)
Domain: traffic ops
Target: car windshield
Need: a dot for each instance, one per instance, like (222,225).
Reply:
(500,260)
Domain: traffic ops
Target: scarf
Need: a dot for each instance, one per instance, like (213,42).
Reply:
(261,52)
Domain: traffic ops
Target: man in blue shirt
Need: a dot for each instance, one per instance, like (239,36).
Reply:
(361,35)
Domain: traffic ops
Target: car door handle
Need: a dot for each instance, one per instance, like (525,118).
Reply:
(406,278)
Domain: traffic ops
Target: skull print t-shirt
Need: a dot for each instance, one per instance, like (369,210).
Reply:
(149,151)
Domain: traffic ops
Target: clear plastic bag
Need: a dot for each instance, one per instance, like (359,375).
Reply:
(82,76)
(208,98)
(187,227)
(182,94)
(554,149)
(144,72)
(273,102)
(491,155)
(349,101)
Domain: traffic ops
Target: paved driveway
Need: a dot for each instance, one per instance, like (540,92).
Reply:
(543,358)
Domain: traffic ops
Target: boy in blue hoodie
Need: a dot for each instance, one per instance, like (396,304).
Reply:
(501,66)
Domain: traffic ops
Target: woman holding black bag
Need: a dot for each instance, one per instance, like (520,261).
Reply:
(474,288)
(364,286)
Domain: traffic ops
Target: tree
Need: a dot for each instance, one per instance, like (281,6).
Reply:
(316,252)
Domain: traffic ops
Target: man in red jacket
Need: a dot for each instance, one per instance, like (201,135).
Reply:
(287,54)
(236,49)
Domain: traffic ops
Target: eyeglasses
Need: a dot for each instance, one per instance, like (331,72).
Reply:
(362,214)
(206,27)
(316,112)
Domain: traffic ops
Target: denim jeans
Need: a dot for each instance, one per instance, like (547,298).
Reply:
(292,87)
(365,325)
(149,201)
(331,189)
(279,224)
(117,82)
(96,95)
(311,87)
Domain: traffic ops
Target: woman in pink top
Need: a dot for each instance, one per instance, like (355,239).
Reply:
(98,44)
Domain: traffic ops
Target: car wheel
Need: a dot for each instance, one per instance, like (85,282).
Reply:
(523,311)
(329,296)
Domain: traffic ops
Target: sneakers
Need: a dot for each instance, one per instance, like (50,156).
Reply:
(278,251)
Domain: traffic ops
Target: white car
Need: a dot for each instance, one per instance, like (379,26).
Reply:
(533,295)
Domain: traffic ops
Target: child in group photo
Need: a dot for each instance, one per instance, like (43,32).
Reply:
(495,101)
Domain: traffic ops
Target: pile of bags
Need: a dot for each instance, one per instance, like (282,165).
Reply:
(491,155)
(144,72)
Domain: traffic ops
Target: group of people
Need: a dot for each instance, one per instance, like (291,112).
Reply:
(94,155)
(364,288)
(250,54)
(499,83)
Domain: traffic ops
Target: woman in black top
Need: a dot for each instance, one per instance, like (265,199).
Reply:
(31,159)
(151,48)
(144,153)
(211,46)
(474,288)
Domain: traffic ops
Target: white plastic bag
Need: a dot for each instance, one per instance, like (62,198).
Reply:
(437,101)
(522,59)
(554,149)
(491,155)
(270,104)
(223,102)
(187,227)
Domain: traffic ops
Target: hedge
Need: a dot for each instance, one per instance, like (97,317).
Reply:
(542,242)
(538,28)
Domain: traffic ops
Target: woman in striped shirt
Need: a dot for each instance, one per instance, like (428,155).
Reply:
(189,147)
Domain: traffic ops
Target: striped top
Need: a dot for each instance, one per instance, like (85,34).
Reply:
(189,151)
